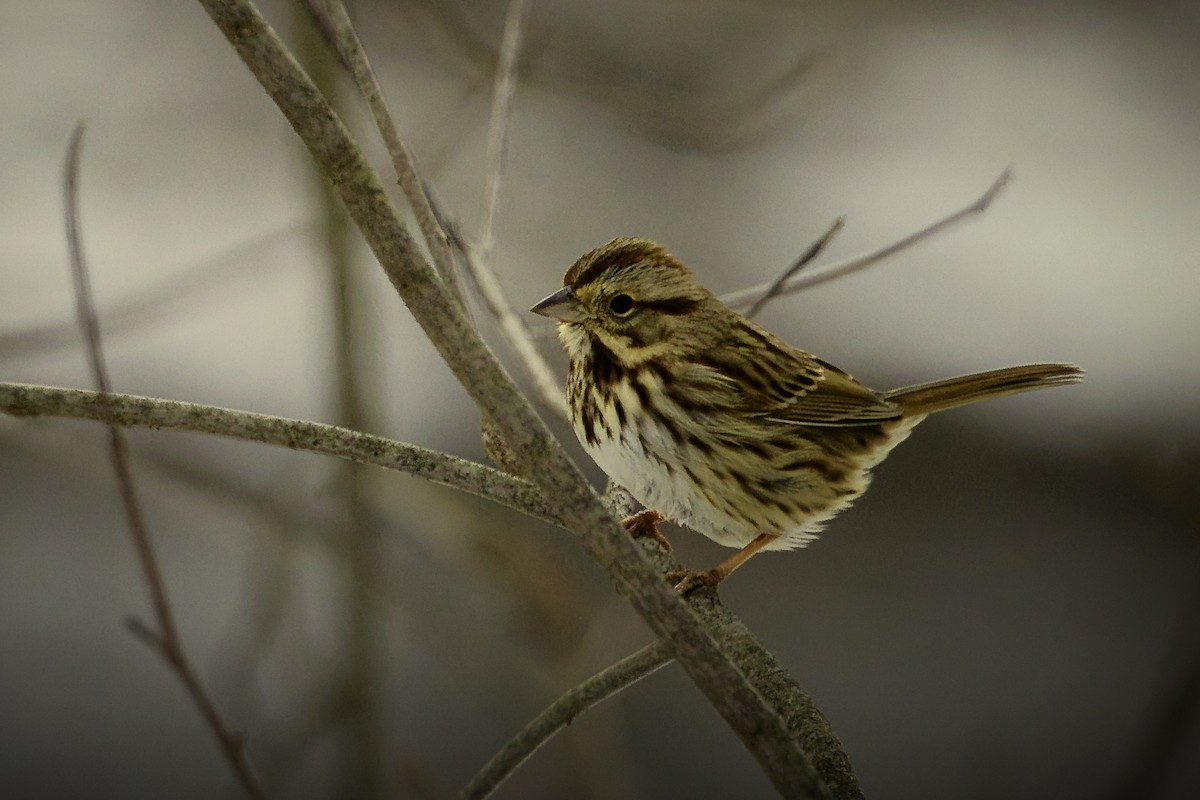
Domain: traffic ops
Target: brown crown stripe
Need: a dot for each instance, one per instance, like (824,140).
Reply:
(616,255)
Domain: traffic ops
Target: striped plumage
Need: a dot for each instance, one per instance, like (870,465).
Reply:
(718,424)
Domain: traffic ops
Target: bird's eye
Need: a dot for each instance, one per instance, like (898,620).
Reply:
(621,305)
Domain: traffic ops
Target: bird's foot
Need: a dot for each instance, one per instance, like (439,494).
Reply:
(643,523)
(687,581)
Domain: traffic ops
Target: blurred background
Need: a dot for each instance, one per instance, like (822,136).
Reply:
(1012,611)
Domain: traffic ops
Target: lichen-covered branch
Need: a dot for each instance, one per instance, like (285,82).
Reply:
(535,452)
(23,400)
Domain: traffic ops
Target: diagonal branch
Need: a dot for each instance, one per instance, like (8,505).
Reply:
(546,388)
(334,24)
(562,711)
(148,412)
(745,298)
(815,249)
(166,639)
(762,728)
(516,332)
(479,261)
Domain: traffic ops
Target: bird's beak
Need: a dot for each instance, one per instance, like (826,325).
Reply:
(561,306)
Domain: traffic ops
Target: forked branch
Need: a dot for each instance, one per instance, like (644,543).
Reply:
(815,249)
(479,260)
(747,298)
(716,670)
(164,637)
(334,23)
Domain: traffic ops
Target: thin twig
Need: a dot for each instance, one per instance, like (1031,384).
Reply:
(562,712)
(169,644)
(360,566)
(814,250)
(501,123)
(745,298)
(334,23)
(126,410)
(545,386)
(478,259)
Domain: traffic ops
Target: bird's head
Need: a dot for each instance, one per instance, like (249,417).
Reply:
(632,297)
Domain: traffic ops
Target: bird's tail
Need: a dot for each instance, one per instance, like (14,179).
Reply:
(926,398)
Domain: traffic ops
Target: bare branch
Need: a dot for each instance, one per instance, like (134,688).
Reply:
(23,400)
(479,260)
(170,646)
(769,678)
(746,298)
(501,122)
(778,749)
(562,711)
(545,386)
(335,25)
(520,338)
(815,249)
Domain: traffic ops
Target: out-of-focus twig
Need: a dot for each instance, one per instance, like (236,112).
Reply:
(815,249)
(504,90)
(362,750)
(164,638)
(562,711)
(160,301)
(479,259)
(746,298)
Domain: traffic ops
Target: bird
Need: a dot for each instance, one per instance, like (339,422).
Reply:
(712,422)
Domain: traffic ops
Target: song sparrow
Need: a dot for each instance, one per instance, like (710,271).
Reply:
(711,421)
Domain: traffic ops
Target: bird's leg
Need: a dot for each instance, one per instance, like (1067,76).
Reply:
(643,524)
(687,581)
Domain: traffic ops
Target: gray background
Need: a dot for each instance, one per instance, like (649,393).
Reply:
(1001,616)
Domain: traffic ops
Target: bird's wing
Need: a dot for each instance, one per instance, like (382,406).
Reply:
(836,400)
(782,384)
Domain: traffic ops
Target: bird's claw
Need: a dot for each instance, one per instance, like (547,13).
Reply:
(687,581)
(643,523)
